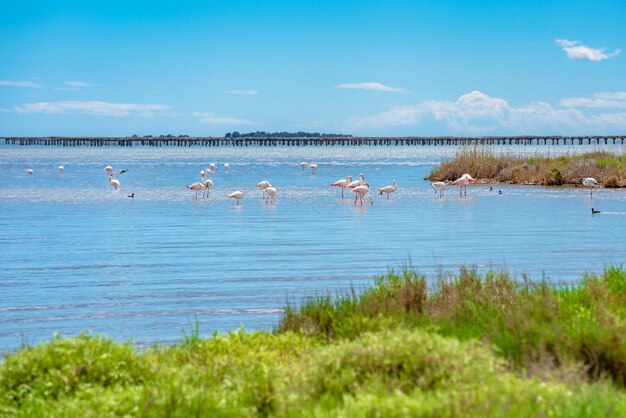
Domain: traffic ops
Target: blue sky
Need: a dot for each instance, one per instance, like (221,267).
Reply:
(359,67)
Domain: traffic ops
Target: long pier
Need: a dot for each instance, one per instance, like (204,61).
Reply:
(312,141)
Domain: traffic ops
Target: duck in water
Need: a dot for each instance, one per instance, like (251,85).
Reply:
(593,211)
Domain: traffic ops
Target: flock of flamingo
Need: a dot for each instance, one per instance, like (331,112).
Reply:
(359,187)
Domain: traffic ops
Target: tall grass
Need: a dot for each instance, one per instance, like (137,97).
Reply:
(534,325)
(606,167)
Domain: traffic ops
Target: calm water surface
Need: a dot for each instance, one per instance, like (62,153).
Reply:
(77,256)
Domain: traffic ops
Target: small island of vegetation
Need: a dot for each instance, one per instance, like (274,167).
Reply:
(567,170)
(469,345)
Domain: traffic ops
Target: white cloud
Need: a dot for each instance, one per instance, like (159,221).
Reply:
(19,83)
(479,114)
(607,99)
(242,92)
(576,50)
(75,85)
(371,86)
(212,118)
(97,108)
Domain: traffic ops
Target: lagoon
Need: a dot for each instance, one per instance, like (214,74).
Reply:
(77,256)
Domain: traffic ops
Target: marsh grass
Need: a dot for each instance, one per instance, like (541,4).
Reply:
(606,167)
(468,345)
(531,323)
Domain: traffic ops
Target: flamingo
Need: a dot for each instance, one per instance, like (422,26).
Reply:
(207,186)
(236,195)
(263,185)
(115,183)
(226,167)
(361,191)
(271,192)
(440,187)
(196,186)
(343,183)
(202,172)
(304,164)
(463,181)
(30,171)
(591,183)
(388,189)
(313,168)
(109,170)
(356,183)
(213,167)
(61,169)
(207,172)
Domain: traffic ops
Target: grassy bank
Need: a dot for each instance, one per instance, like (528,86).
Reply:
(469,345)
(483,164)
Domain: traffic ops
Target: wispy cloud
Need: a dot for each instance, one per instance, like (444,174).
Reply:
(97,108)
(75,85)
(374,86)
(243,92)
(19,83)
(480,114)
(212,118)
(607,99)
(576,50)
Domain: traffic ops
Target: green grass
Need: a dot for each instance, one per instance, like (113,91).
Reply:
(606,167)
(468,345)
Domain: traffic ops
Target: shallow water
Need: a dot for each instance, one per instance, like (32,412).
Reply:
(77,256)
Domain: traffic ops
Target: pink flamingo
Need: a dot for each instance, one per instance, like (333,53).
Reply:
(388,189)
(463,181)
(271,192)
(207,186)
(313,168)
(343,183)
(263,185)
(361,191)
(356,183)
(197,186)
(236,195)
(115,183)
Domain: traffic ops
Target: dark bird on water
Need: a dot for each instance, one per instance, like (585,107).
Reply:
(499,191)
(490,188)
(593,211)
(123,171)
(132,195)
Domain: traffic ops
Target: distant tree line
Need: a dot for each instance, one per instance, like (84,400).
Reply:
(263,134)
(162,136)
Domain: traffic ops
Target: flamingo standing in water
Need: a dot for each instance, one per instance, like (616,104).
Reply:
(109,170)
(236,195)
(213,167)
(313,168)
(271,192)
(356,183)
(30,171)
(263,185)
(196,186)
(463,181)
(207,186)
(226,167)
(388,189)
(343,183)
(591,183)
(115,183)
(440,187)
(61,169)
(202,173)
(304,164)
(361,191)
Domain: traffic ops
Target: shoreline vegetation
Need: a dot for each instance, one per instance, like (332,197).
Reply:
(464,345)
(568,170)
